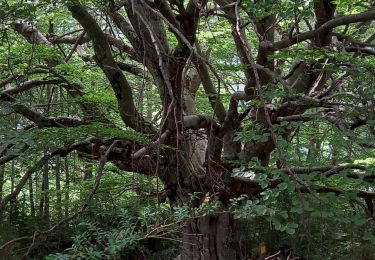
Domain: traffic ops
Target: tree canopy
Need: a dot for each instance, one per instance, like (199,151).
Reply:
(187,128)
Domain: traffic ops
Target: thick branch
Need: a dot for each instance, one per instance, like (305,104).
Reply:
(209,88)
(39,119)
(198,121)
(105,60)
(343,20)
(27,85)
(241,185)
(7,158)
(327,170)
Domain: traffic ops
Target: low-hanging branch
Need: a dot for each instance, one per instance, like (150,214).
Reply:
(245,186)
(38,118)
(27,85)
(4,158)
(10,79)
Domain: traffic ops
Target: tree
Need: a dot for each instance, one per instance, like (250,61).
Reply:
(267,73)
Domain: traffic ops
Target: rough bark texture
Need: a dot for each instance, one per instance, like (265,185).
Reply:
(212,238)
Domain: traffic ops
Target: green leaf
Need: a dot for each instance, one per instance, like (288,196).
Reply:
(282,186)
(290,231)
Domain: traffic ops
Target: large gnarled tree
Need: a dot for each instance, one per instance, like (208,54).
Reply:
(160,42)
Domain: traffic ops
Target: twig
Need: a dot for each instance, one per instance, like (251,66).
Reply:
(80,37)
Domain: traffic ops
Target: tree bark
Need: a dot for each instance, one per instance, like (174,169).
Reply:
(58,188)
(67,182)
(31,197)
(11,203)
(46,212)
(2,175)
(87,171)
(212,237)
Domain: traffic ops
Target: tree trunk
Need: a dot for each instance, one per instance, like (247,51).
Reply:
(66,166)
(31,198)
(11,203)
(333,154)
(41,201)
(2,171)
(46,212)
(58,188)
(87,171)
(212,237)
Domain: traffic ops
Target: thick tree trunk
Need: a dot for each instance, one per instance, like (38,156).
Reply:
(212,238)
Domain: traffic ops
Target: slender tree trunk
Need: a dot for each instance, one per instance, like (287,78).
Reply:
(2,176)
(31,198)
(11,203)
(67,182)
(24,206)
(44,198)
(41,202)
(37,196)
(333,154)
(87,171)
(58,188)
(46,212)
(46,209)
(212,238)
